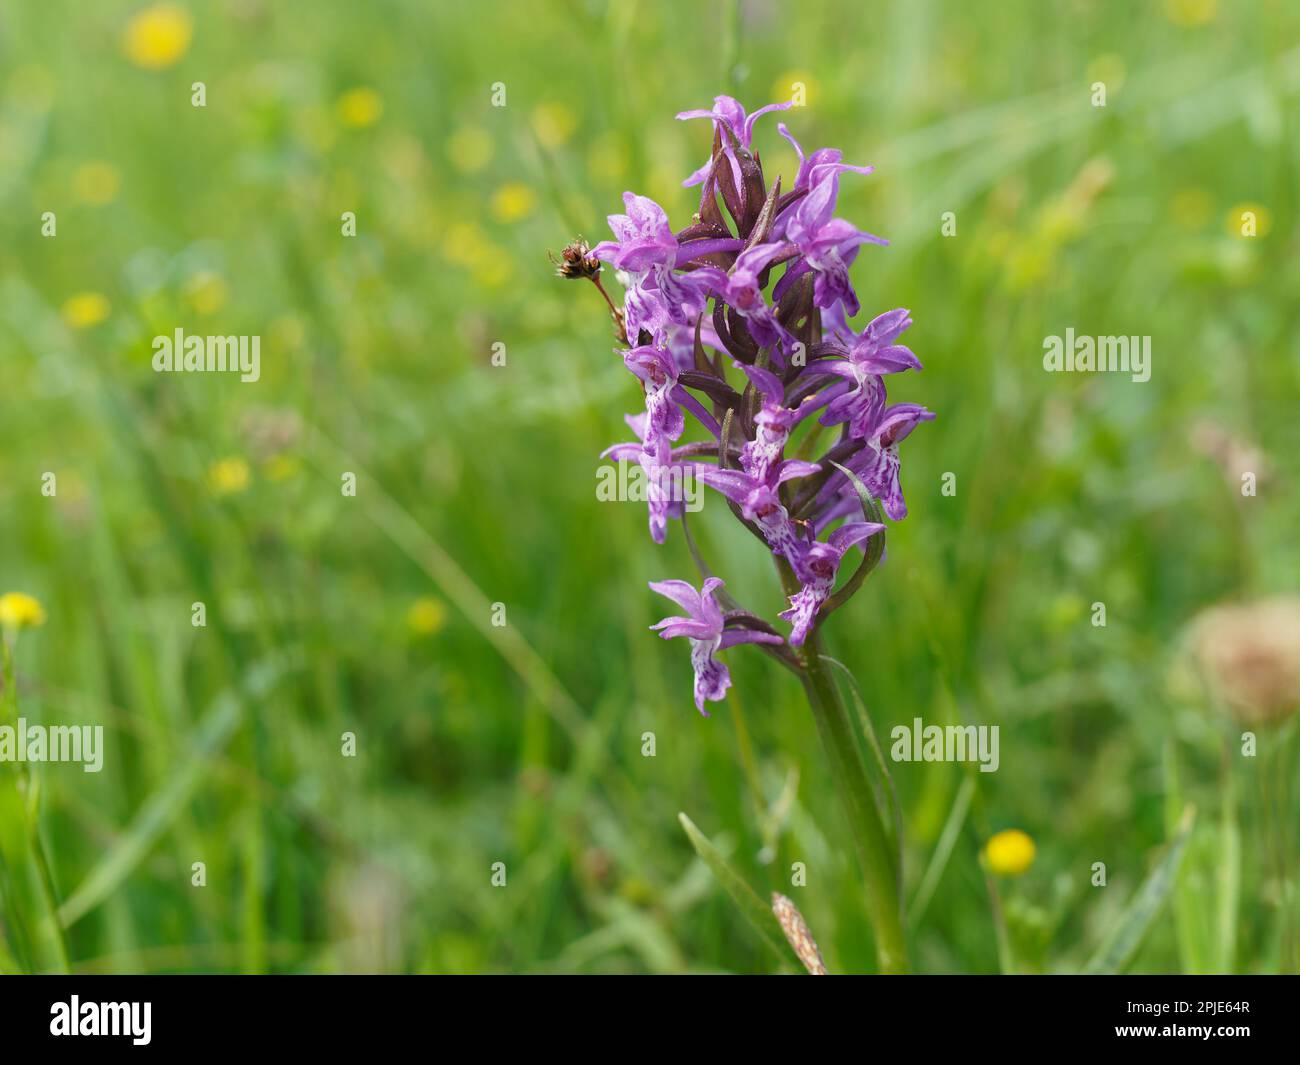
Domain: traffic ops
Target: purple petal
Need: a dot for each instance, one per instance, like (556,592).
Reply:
(766,382)
(792,274)
(671,628)
(792,469)
(621,452)
(749,122)
(681,593)
(852,533)
(732,637)
(733,484)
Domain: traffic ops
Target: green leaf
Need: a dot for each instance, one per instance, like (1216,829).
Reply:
(942,850)
(1136,920)
(1229,876)
(882,786)
(756,912)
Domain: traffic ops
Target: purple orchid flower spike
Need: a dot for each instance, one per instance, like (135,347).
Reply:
(727,112)
(760,502)
(871,354)
(704,625)
(819,564)
(705,304)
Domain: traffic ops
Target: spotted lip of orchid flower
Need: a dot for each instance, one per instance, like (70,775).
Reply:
(705,626)
(658,373)
(761,456)
(877,464)
(816,569)
(760,502)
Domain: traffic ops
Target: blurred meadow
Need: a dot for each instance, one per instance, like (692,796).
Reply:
(329,614)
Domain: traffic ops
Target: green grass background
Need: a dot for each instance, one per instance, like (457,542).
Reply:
(476,483)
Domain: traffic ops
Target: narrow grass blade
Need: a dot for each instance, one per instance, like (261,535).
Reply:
(942,850)
(1193,897)
(164,805)
(1229,875)
(1136,920)
(756,912)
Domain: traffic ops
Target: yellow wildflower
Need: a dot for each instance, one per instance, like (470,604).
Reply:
(86,309)
(20,611)
(1009,853)
(794,85)
(358,108)
(1249,220)
(1191,12)
(228,476)
(158,36)
(426,616)
(96,182)
(513,202)
(207,292)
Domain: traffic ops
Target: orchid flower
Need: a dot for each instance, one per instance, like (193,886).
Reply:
(871,354)
(818,565)
(705,626)
(828,245)
(739,289)
(760,502)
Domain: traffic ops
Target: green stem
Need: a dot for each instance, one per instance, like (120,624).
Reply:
(50,895)
(1006,959)
(33,832)
(850,772)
